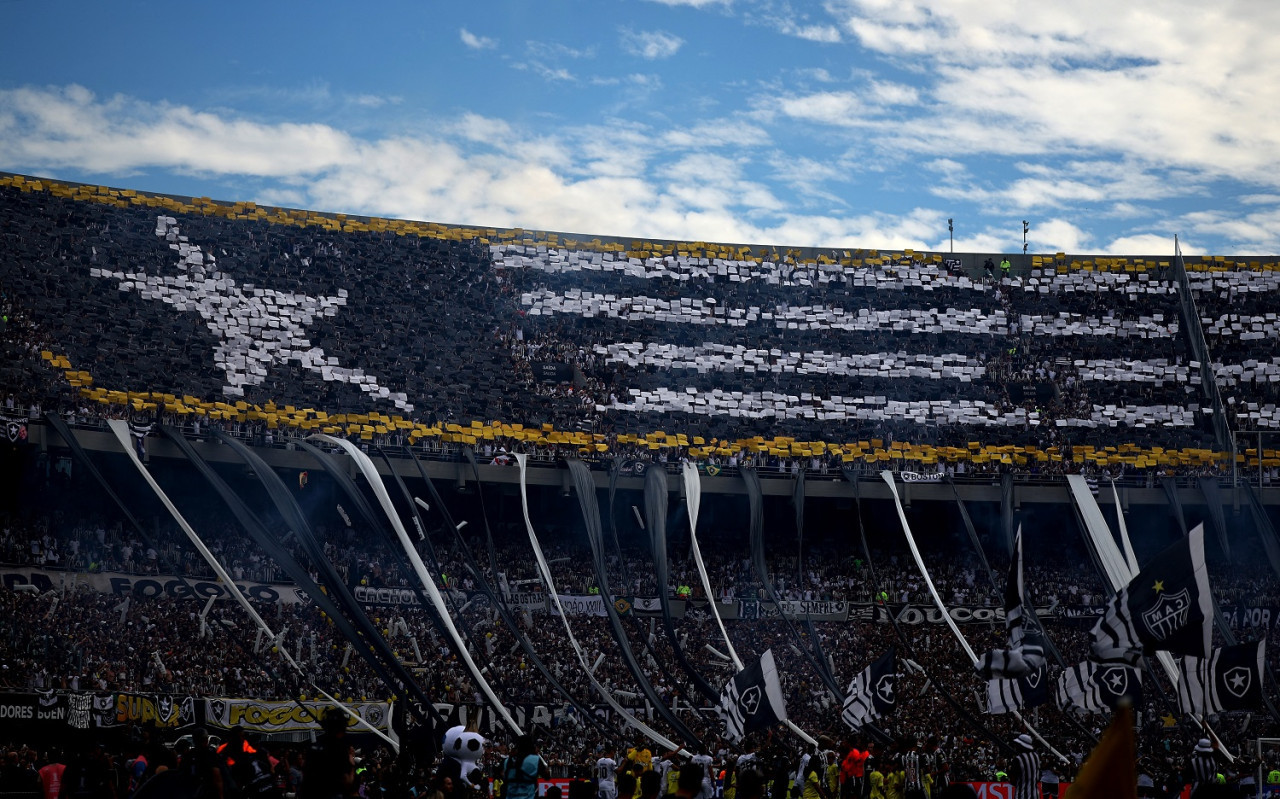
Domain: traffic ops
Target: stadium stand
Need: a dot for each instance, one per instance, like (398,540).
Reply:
(269,325)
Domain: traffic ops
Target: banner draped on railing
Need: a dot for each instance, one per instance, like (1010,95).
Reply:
(655,512)
(120,429)
(887,476)
(1213,499)
(1266,531)
(973,535)
(366,642)
(495,601)
(755,500)
(64,430)
(693,501)
(585,488)
(380,491)
(545,571)
(907,648)
(615,471)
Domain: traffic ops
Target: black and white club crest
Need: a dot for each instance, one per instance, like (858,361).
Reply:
(1115,680)
(884,689)
(749,702)
(1168,614)
(1237,680)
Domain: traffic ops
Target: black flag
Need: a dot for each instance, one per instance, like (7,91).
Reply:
(1016,693)
(1229,680)
(1025,652)
(1165,608)
(752,700)
(873,693)
(1098,687)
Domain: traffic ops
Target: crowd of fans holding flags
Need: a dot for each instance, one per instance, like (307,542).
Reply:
(73,639)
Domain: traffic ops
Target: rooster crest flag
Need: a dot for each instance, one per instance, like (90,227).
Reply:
(1165,608)
(752,700)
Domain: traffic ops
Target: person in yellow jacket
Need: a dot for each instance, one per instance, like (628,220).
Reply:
(895,781)
(875,781)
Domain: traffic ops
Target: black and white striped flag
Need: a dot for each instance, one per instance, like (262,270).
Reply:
(872,693)
(1165,608)
(1025,652)
(752,700)
(1015,693)
(1098,688)
(1231,679)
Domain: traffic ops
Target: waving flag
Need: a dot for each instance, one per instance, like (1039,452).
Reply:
(1098,688)
(1025,652)
(873,692)
(752,700)
(1016,693)
(1231,679)
(1164,608)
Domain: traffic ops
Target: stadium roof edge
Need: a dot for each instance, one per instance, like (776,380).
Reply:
(631,244)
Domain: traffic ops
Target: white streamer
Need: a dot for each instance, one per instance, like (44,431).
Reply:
(545,571)
(1124,532)
(370,473)
(121,430)
(937,600)
(693,501)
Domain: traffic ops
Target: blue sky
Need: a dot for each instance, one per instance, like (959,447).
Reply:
(1108,126)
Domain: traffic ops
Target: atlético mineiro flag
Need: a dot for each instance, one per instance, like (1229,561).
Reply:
(1165,608)
(872,693)
(1015,693)
(1098,687)
(752,700)
(1231,679)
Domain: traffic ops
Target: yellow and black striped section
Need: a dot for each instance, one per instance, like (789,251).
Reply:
(869,451)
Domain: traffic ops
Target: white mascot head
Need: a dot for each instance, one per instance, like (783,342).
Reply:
(467,748)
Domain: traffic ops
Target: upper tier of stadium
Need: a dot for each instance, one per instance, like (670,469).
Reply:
(314,321)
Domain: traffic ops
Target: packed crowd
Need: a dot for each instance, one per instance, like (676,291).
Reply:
(897,350)
(74,639)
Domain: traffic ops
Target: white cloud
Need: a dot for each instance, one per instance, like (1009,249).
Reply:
(651,45)
(477,42)
(615,179)
(558,50)
(820,33)
(1144,244)
(1173,83)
